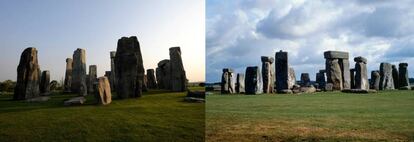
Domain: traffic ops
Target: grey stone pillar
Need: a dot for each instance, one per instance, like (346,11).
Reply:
(361,76)
(227,81)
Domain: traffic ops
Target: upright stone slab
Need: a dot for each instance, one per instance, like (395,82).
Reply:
(361,76)
(305,80)
(346,75)
(240,83)
(164,74)
(45,82)
(253,80)
(27,85)
(152,83)
(112,78)
(227,86)
(395,77)
(92,78)
(267,74)
(79,72)
(352,78)
(337,69)
(291,78)
(282,71)
(129,68)
(386,80)
(178,77)
(145,85)
(403,76)
(68,75)
(320,79)
(375,80)
(103,91)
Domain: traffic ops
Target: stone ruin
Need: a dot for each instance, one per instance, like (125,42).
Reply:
(395,76)
(129,68)
(240,83)
(305,80)
(112,78)
(404,82)
(28,75)
(170,73)
(103,91)
(386,80)
(92,78)
(267,74)
(145,85)
(375,80)
(68,76)
(361,73)
(227,86)
(337,69)
(252,81)
(320,79)
(79,72)
(283,72)
(45,83)
(352,78)
(163,74)
(152,83)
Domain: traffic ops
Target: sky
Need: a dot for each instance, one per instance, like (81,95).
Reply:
(58,28)
(239,32)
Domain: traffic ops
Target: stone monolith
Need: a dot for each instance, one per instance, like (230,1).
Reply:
(28,78)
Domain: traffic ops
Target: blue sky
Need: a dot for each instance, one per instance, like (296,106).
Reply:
(238,32)
(57,28)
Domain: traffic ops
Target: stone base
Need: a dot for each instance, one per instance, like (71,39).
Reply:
(75,101)
(285,91)
(38,99)
(405,88)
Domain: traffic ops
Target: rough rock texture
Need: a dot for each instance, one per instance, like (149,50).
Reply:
(282,71)
(75,101)
(291,78)
(253,81)
(79,72)
(45,82)
(386,80)
(164,74)
(112,78)
(329,87)
(361,73)
(103,91)
(152,83)
(178,77)
(308,89)
(403,76)
(53,85)
(240,83)
(320,79)
(305,80)
(333,74)
(346,75)
(92,77)
(129,68)
(375,80)
(145,85)
(227,85)
(267,74)
(352,78)
(68,75)
(395,77)
(28,75)
(337,69)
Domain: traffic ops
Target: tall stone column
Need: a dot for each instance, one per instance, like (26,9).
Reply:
(112,79)
(164,74)
(395,77)
(361,76)
(352,78)
(45,82)
(68,75)
(305,80)
(375,80)
(227,81)
(346,75)
(282,71)
(79,72)
(320,79)
(253,80)
(386,80)
(28,78)
(92,78)
(152,83)
(337,69)
(178,77)
(240,83)
(403,78)
(267,74)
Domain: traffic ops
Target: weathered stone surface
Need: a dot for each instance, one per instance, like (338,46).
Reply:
(336,55)
(329,87)
(79,72)
(68,75)
(240,83)
(227,86)
(346,75)
(386,80)
(112,78)
(361,76)
(75,101)
(178,77)
(308,89)
(291,78)
(28,75)
(267,74)
(53,85)
(320,79)
(404,81)
(164,74)
(92,78)
(129,68)
(145,85)
(337,69)
(334,74)
(103,91)
(282,71)
(395,77)
(253,81)
(375,80)
(352,78)
(45,82)
(305,80)
(152,83)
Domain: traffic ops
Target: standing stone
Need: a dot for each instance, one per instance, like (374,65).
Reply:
(178,77)
(28,71)
(79,72)
(45,82)
(227,86)
(164,74)
(152,83)
(361,76)
(68,75)
(103,91)
(291,78)
(112,78)
(252,81)
(337,69)
(305,80)
(282,71)
(375,80)
(403,76)
(92,77)
(129,68)
(386,80)
(395,76)
(267,74)
(145,85)
(352,78)
(240,83)
(320,79)
(346,75)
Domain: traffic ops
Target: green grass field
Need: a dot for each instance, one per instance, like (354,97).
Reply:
(328,116)
(156,116)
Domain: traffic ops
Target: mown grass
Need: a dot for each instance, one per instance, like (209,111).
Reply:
(156,116)
(332,116)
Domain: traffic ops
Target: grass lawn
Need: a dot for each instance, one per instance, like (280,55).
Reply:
(156,116)
(325,116)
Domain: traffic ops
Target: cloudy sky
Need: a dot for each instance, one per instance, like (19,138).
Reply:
(238,32)
(57,28)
